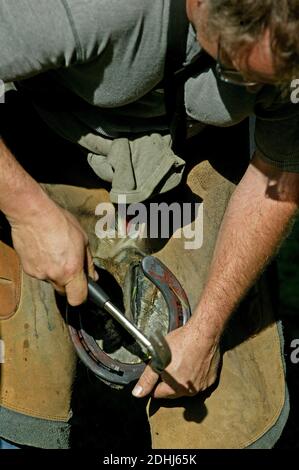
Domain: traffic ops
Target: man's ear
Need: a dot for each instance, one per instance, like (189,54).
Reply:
(192,8)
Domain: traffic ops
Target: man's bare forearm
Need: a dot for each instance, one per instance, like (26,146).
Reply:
(20,194)
(50,242)
(255,223)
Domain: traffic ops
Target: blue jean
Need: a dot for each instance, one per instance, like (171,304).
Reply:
(6,445)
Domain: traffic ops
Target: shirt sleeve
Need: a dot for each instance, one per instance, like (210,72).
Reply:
(35,36)
(277,135)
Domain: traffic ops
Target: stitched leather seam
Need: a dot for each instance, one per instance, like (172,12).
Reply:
(17,296)
(32,413)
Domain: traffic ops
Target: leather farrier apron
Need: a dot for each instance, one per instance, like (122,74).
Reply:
(37,376)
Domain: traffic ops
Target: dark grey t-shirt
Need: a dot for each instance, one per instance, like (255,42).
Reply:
(111,53)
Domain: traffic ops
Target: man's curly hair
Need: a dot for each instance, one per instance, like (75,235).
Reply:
(243,22)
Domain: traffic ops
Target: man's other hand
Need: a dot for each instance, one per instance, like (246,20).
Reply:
(193,368)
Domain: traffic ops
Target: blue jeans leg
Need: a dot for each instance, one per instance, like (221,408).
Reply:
(6,445)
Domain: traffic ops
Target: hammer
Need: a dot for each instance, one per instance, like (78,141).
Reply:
(156,346)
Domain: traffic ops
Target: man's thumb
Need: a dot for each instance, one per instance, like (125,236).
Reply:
(76,289)
(146,383)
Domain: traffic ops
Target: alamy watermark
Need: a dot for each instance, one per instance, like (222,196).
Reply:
(2,352)
(151,220)
(295,91)
(2,92)
(295,353)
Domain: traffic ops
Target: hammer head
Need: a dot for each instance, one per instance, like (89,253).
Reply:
(160,352)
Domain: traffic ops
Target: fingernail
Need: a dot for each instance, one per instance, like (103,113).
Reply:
(137,391)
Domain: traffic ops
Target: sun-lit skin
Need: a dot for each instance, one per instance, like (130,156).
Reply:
(257,65)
